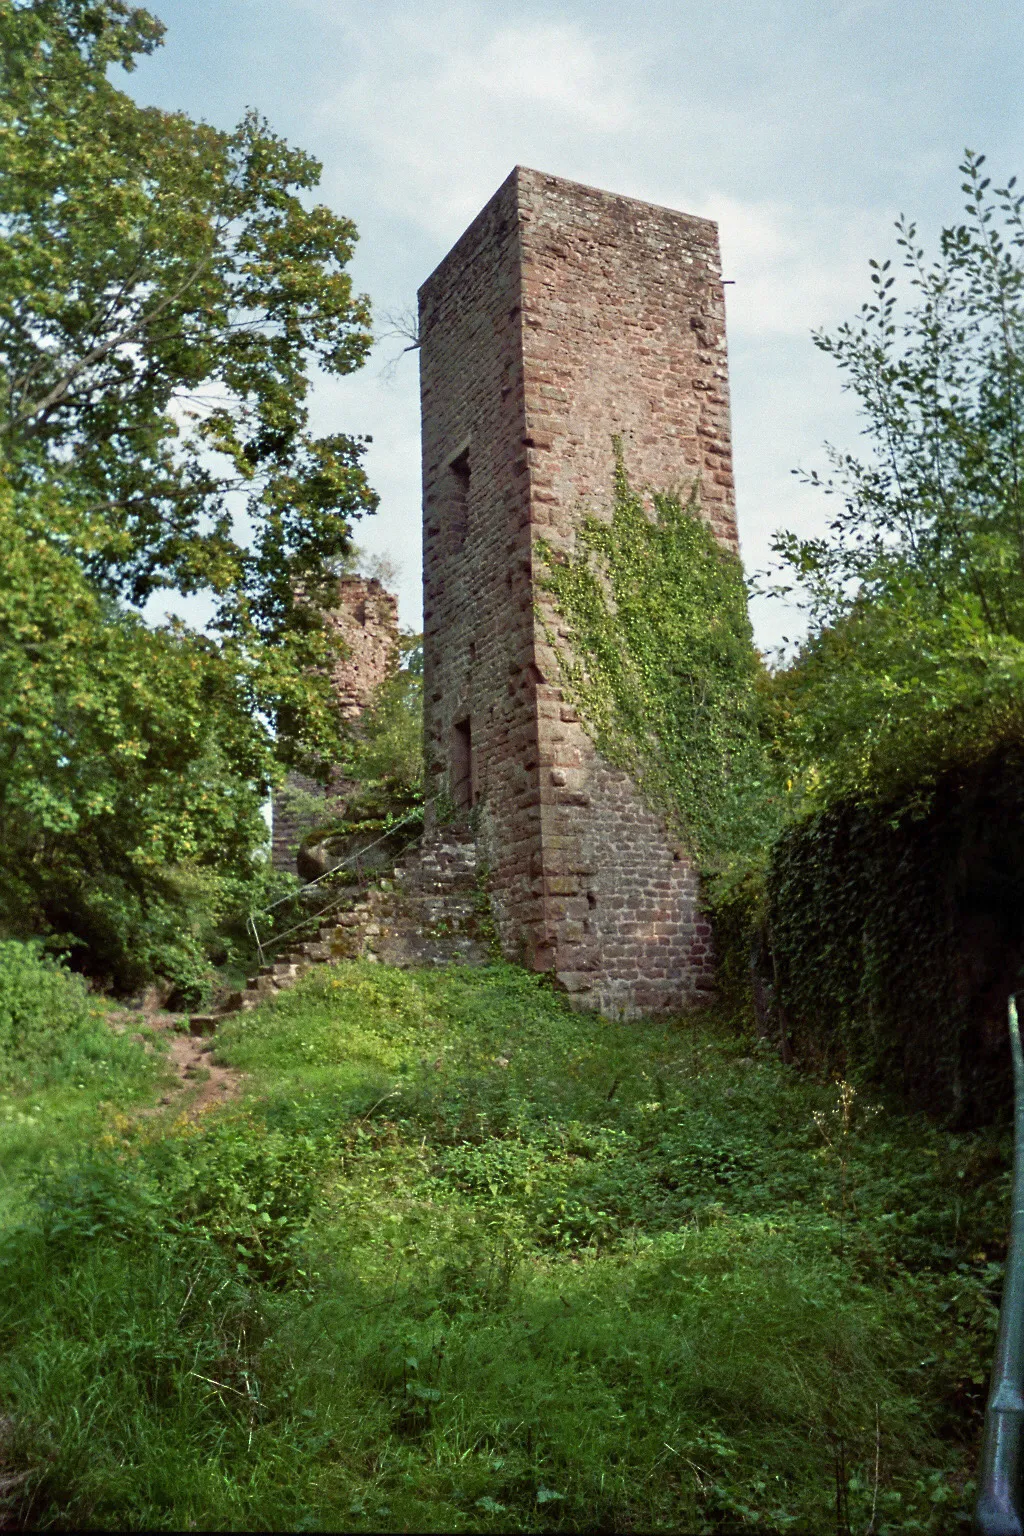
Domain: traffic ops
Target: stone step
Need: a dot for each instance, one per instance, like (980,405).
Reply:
(204,1023)
(262,985)
(425,913)
(349,919)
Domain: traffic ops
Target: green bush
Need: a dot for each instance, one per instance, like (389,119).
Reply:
(51,1031)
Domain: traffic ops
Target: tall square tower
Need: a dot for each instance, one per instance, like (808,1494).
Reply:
(562,318)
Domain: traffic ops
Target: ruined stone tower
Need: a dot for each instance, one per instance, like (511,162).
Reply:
(366,618)
(562,317)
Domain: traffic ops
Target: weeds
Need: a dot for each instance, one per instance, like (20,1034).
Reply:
(465,1260)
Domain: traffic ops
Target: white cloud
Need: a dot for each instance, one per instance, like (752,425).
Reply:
(553,67)
(795,269)
(445,110)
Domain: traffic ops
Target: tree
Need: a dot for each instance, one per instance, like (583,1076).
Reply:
(165,294)
(915,659)
(937,508)
(131,774)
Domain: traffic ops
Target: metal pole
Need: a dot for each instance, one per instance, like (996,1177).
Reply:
(998,1511)
(256,936)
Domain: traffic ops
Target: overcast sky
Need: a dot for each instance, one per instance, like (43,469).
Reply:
(803,126)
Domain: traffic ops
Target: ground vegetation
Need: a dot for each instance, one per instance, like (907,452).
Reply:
(461,1258)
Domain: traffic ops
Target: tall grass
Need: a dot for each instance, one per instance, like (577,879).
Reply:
(52,1032)
(465,1260)
(62,1068)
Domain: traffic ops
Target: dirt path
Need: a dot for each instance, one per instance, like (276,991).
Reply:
(200,1084)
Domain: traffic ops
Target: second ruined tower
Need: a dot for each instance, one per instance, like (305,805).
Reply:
(562,318)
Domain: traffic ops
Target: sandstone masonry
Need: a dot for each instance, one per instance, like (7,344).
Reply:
(563,316)
(366,618)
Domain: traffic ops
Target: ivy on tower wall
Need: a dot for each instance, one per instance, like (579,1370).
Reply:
(656,655)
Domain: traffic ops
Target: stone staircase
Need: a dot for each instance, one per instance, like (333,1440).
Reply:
(431,911)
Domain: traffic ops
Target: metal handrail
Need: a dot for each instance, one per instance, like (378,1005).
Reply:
(342,863)
(998,1510)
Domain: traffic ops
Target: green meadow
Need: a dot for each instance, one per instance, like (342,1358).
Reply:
(458,1258)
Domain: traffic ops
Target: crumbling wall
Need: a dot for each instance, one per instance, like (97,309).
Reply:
(366,618)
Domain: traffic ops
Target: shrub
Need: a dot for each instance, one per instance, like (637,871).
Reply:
(50,1029)
(893,934)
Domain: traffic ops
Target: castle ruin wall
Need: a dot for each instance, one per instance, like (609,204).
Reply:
(366,618)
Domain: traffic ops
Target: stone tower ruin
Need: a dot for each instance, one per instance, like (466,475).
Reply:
(562,318)
(366,618)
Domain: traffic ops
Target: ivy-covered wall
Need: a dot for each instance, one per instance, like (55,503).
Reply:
(877,936)
(889,939)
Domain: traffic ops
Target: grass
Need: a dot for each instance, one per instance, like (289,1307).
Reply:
(62,1069)
(465,1260)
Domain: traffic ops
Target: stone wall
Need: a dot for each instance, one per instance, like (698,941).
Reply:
(366,618)
(564,316)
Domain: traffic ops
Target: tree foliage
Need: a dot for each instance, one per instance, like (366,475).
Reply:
(132,772)
(890,697)
(938,503)
(167,290)
(916,589)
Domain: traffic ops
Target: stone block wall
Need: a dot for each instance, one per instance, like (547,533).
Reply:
(366,618)
(562,318)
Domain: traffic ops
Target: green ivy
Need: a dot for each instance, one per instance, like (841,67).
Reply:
(656,655)
(892,937)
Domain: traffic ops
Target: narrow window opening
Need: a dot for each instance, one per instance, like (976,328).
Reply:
(462,765)
(458,499)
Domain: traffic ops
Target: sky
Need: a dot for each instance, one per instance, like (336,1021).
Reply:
(804,127)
